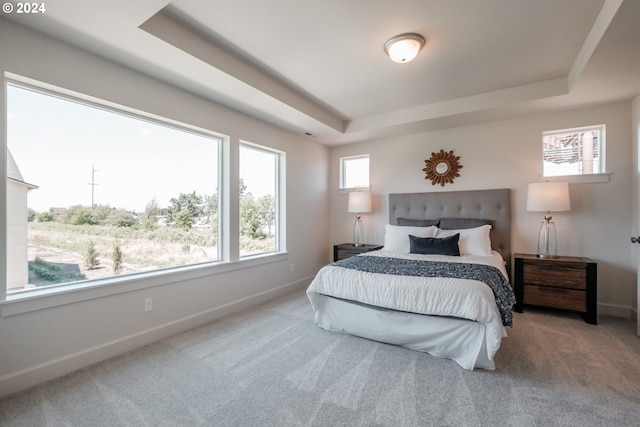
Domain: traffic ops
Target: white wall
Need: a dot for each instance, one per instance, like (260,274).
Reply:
(508,155)
(41,344)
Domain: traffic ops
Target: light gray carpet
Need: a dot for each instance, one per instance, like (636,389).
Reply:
(271,366)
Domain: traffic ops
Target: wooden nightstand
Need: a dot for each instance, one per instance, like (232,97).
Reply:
(568,283)
(347,250)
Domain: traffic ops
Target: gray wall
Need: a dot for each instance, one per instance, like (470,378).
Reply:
(507,154)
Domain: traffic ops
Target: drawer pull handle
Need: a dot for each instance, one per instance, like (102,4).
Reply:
(635,239)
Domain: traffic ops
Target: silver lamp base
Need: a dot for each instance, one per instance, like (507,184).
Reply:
(547,240)
(357,232)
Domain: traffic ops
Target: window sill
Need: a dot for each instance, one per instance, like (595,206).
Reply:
(352,189)
(580,179)
(44,298)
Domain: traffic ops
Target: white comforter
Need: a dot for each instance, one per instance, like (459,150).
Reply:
(463,298)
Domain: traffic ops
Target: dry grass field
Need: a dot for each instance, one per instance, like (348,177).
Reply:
(57,251)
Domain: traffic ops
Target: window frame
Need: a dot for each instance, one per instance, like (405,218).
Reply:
(20,302)
(142,117)
(279,165)
(601,159)
(343,172)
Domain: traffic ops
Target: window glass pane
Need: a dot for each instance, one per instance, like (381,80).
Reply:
(258,200)
(94,193)
(355,172)
(573,151)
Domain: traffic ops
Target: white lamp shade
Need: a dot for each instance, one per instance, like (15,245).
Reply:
(548,196)
(359,202)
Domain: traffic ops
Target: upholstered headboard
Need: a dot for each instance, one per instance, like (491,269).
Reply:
(493,205)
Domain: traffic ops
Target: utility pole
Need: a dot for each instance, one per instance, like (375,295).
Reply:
(93,184)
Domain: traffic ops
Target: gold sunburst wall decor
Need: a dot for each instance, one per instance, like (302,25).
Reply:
(442,167)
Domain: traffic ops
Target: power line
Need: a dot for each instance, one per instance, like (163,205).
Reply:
(93,184)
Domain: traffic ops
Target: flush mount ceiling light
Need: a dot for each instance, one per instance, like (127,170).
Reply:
(404,47)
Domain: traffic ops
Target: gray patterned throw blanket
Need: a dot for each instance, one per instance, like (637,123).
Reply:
(487,274)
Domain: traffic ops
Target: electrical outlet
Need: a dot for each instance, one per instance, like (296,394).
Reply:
(148,304)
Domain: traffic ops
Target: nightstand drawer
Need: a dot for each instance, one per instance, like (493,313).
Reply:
(557,276)
(555,297)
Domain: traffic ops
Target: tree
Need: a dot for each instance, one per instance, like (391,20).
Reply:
(267,211)
(91,260)
(151,210)
(121,218)
(186,209)
(80,215)
(116,257)
(250,223)
(255,215)
(46,217)
(102,212)
(213,216)
(183,219)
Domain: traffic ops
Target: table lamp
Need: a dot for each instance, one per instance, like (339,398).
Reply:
(359,203)
(546,197)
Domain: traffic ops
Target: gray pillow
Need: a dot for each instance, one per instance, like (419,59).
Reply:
(460,223)
(434,246)
(418,222)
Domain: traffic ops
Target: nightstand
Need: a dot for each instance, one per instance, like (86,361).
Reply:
(568,283)
(347,250)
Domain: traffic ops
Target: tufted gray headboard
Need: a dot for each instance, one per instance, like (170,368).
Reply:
(494,205)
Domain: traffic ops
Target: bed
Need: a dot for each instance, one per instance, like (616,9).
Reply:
(451,305)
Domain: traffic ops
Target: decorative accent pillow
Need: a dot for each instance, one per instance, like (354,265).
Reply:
(460,223)
(434,246)
(418,222)
(396,237)
(473,241)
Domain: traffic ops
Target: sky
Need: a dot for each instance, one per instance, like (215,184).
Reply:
(57,143)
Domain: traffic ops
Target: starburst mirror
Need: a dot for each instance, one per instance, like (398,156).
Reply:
(442,167)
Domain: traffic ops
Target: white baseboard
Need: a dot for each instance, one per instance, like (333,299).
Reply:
(28,377)
(625,311)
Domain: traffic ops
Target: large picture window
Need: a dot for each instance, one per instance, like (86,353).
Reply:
(94,192)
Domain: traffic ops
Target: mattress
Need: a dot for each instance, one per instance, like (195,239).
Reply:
(464,301)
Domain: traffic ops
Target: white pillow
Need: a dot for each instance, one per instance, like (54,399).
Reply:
(396,237)
(473,241)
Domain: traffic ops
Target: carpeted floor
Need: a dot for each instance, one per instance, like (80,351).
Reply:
(271,366)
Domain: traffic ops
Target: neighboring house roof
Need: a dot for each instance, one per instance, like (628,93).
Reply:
(13,172)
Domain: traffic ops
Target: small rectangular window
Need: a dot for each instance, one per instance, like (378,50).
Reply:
(354,171)
(578,151)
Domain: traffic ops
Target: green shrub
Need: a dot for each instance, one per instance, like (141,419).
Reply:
(46,217)
(80,215)
(121,218)
(91,260)
(116,257)
(46,274)
(46,264)
(150,225)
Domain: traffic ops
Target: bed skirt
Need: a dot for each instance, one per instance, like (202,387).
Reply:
(452,338)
